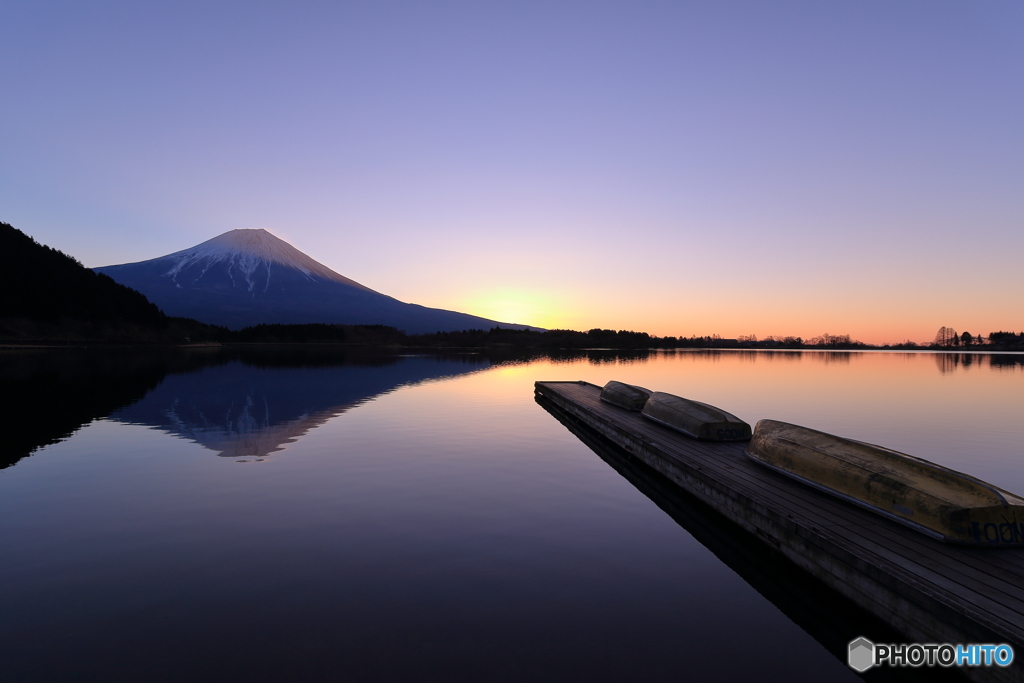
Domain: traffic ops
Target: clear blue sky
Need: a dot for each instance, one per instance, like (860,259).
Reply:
(739,168)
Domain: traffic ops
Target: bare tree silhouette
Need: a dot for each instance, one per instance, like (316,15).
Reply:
(946,336)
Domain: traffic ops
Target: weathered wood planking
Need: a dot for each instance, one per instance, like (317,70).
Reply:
(925,589)
(828,617)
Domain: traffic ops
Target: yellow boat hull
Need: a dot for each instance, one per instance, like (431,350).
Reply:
(936,500)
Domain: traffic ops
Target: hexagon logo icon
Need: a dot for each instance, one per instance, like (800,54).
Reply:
(862,655)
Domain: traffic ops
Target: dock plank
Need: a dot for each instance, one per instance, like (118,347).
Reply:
(977,571)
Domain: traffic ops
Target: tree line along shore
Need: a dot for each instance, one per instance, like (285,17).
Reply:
(186,332)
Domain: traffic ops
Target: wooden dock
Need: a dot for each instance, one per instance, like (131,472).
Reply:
(925,590)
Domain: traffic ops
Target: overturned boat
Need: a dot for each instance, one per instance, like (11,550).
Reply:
(628,396)
(940,502)
(694,418)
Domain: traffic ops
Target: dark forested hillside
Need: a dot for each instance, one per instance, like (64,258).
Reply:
(49,297)
(42,284)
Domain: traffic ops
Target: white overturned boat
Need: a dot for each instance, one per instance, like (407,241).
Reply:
(628,396)
(937,501)
(694,418)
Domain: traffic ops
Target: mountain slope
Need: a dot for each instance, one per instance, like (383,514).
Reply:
(250,277)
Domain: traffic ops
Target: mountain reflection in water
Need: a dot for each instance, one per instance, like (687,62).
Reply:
(236,402)
(241,410)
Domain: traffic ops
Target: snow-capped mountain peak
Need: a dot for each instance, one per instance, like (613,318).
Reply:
(246,250)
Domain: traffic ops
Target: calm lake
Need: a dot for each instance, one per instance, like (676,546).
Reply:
(312,514)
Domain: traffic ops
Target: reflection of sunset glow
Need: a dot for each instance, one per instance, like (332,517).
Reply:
(515,370)
(925,404)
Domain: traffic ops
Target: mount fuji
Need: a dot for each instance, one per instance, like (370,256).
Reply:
(250,277)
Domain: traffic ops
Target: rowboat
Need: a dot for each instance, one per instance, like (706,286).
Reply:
(694,418)
(628,396)
(940,502)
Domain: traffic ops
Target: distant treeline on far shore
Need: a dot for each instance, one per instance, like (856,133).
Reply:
(505,337)
(572,339)
(183,331)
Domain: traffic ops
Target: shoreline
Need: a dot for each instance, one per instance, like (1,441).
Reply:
(987,349)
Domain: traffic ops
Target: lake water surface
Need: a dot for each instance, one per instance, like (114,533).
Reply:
(290,514)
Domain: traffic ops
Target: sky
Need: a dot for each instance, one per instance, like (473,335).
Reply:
(766,168)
